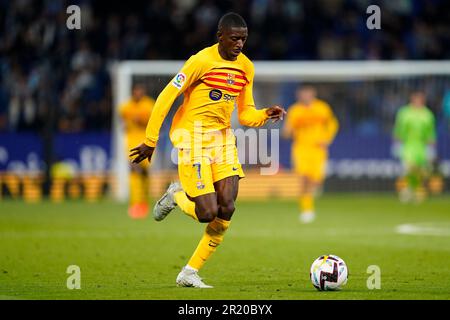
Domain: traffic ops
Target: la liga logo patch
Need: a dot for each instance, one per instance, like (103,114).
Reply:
(179,80)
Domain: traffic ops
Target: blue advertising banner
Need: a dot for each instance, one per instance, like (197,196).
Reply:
(20,152)
(350,154)
(86,152)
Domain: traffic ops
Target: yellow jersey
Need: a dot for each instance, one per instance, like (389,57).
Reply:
(312,125)
(132,110)
(212,86)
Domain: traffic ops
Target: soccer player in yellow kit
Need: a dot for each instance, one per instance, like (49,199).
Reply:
(135,114)
(312,126)
(213,81)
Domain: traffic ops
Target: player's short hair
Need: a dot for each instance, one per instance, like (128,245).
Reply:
(138,85)
(417,91)
(306,86)
(231,20)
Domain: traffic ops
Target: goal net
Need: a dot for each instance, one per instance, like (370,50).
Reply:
(364,96)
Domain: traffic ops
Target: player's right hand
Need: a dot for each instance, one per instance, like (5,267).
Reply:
(276,113)
(142,152)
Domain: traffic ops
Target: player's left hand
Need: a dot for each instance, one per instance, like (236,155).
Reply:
(142,152)
(276,113)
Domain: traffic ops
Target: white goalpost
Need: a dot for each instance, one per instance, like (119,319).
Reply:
(398,76)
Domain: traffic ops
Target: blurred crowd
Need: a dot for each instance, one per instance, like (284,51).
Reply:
(50,72)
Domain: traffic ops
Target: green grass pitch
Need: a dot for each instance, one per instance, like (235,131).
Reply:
(266,253)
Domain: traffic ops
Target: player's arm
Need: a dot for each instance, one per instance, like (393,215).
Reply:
(247,113)
(161,108)
(431,138)
(288,128)
(431,132)
(145,113)
(124,115)
(188,74)
(399,126)
(398,134)
(332,126)
(123,111)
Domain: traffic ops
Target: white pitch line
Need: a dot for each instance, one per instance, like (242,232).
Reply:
(4,297)
(425,229)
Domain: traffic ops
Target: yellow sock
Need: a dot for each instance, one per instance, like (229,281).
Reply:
(212,237)
(137,188)
(186,205)
(307,203)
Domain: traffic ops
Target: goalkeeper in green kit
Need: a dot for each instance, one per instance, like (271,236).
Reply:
(415,136)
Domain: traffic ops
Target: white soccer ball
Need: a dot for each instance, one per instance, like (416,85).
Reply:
(328,272)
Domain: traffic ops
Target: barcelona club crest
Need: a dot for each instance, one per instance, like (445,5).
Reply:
(230,79)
